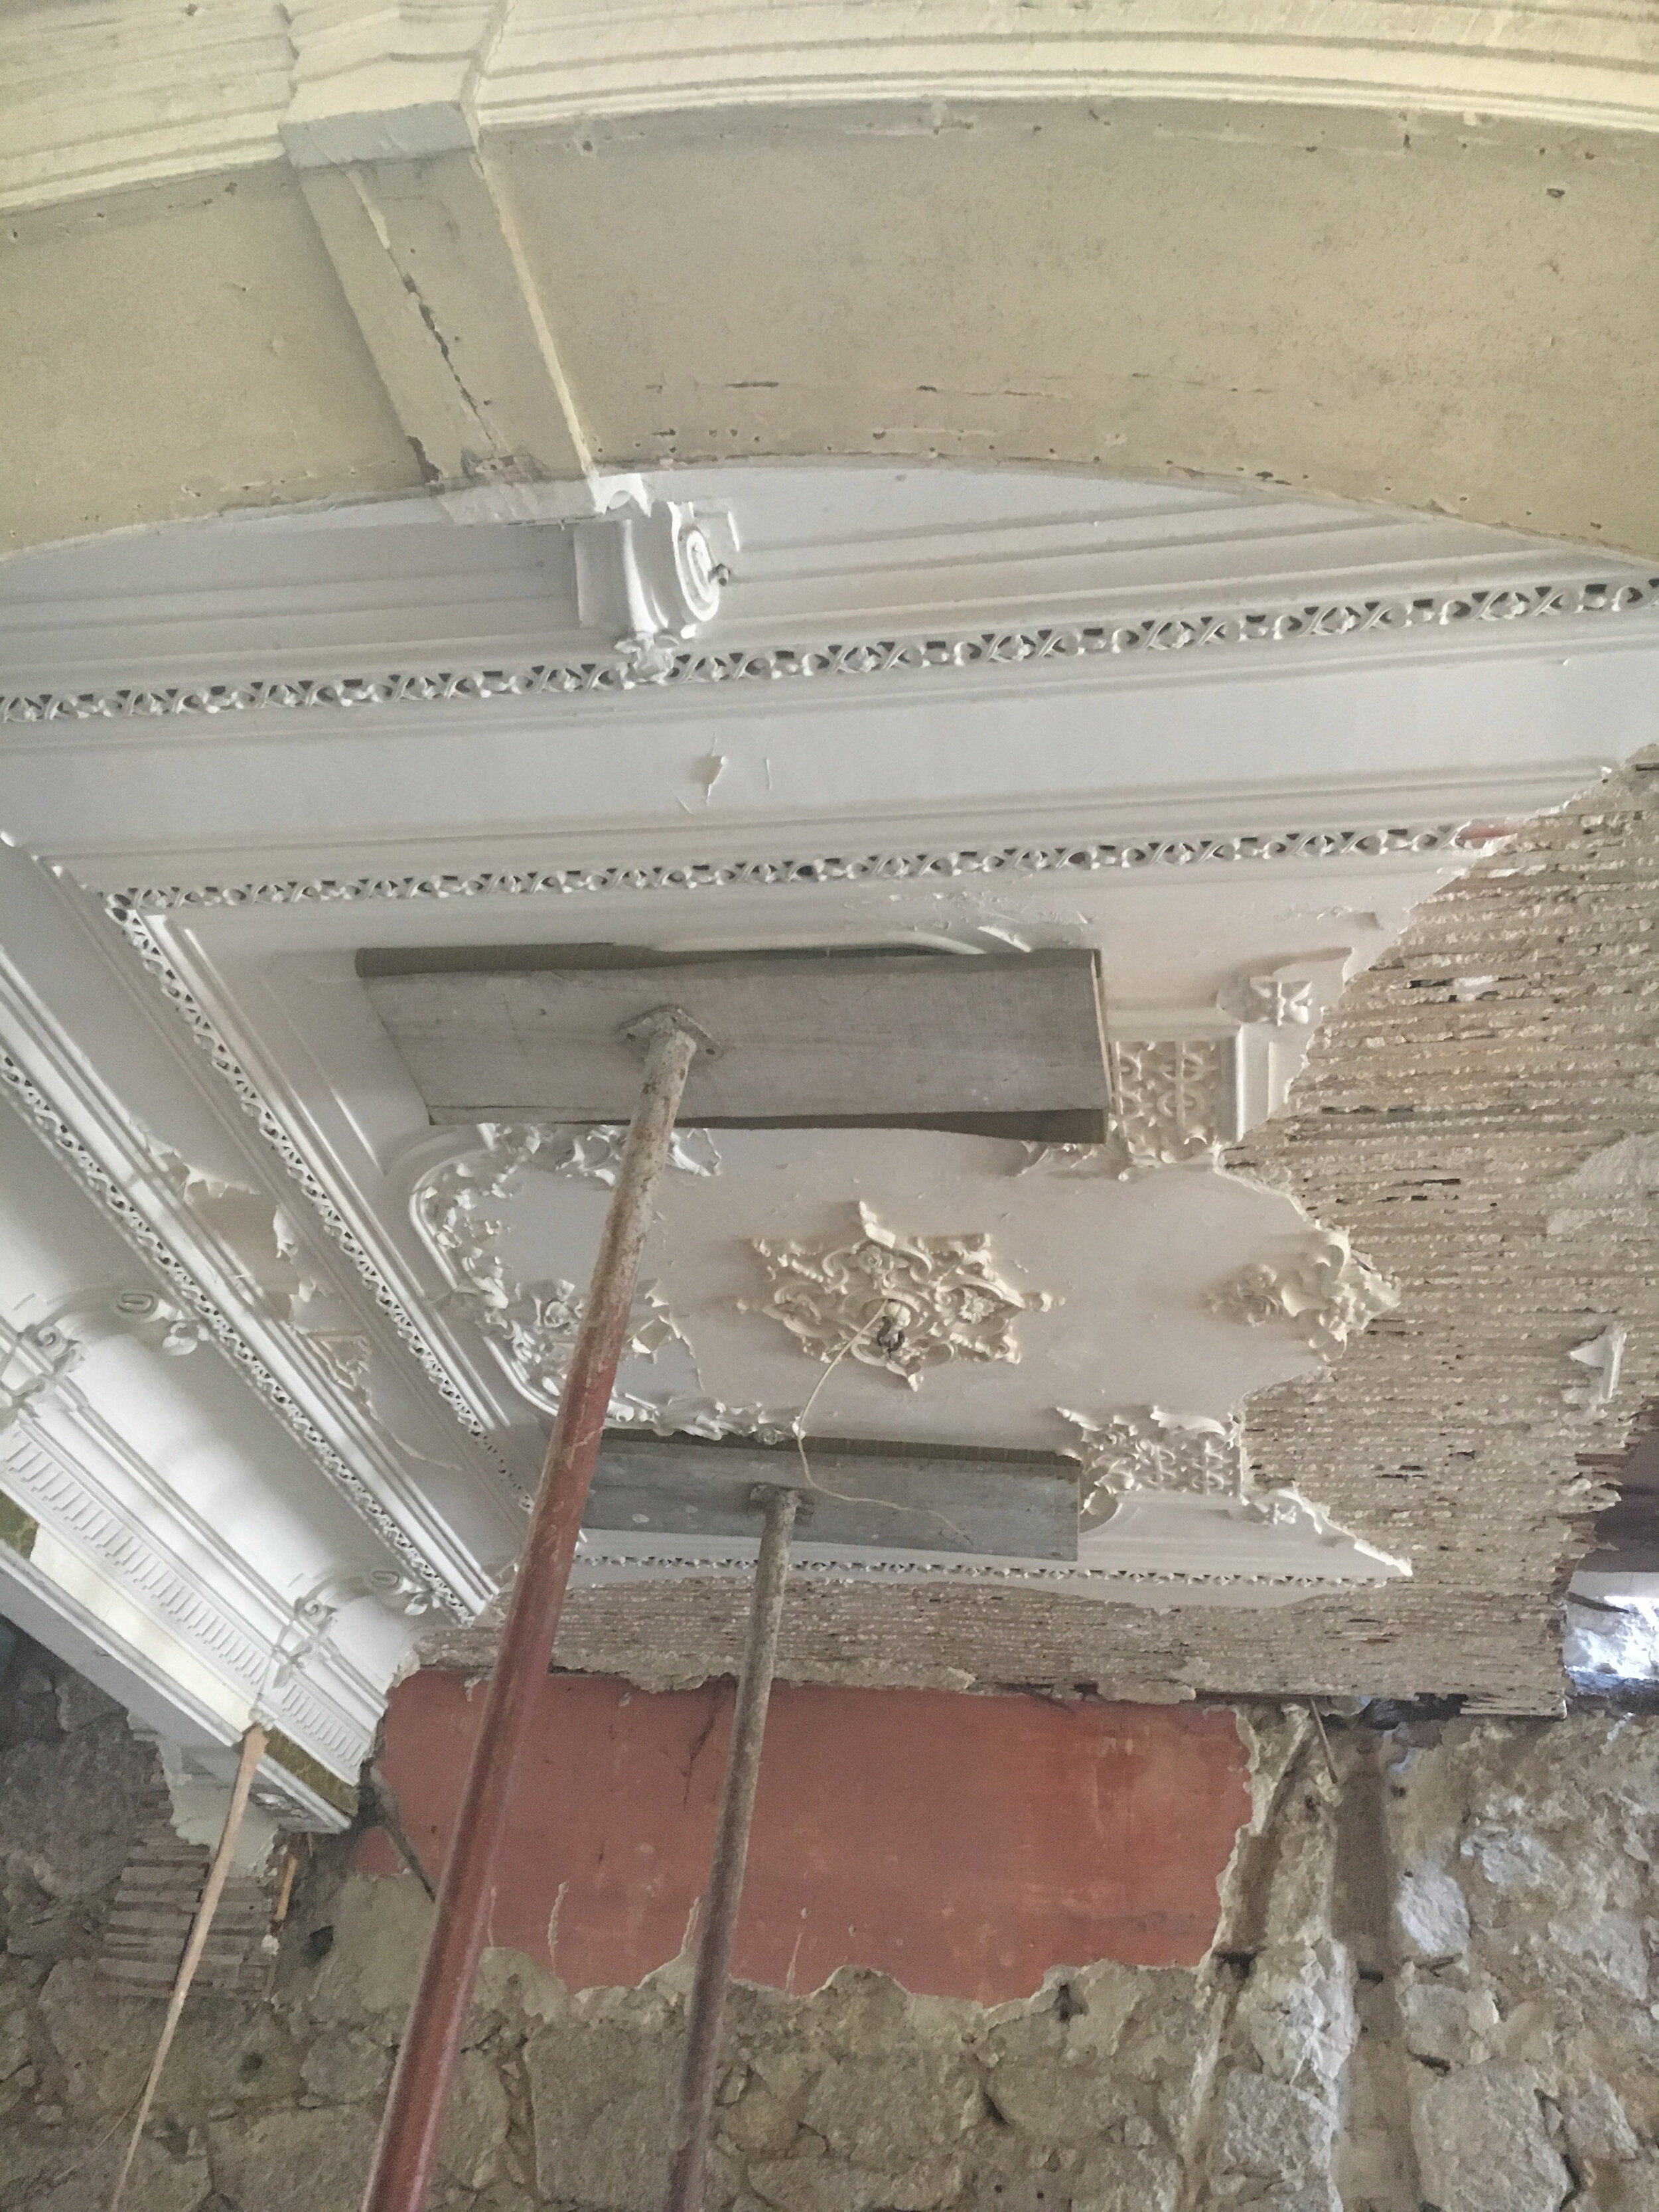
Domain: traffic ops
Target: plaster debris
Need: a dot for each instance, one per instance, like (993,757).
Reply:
(1612,1642)
(1603,1353)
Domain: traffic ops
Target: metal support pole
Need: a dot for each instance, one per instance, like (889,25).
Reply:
(413,2121)
(689,2143)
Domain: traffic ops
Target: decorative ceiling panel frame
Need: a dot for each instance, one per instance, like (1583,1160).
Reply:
(144,916)
(136,1185)
(216,1310)
(160,919)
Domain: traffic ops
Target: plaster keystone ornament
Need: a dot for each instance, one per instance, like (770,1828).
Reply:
(904,1303)
(1328,1290)
(1149,1449)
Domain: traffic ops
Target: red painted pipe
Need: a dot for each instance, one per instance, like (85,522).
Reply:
(412,2125)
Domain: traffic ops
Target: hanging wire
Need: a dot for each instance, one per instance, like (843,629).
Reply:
(886,1315)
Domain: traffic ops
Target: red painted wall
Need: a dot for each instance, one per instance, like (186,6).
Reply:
(962,1844)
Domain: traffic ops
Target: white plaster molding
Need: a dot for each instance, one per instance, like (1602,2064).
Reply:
(1279,1000)
(219,1627)
(1568,65)
(1157,637)
(1325,1288)
(121,1198)
(57,1594)
(1151,1450)
(899,1303)
(236,81)
(278,1137)
(130,909)
(138,913)
(646,577)
(532,1327)
(1157,1549)
(1173,1097)
(1278,1010)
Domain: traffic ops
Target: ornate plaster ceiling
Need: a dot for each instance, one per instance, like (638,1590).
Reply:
(922,1288)
(1228,745)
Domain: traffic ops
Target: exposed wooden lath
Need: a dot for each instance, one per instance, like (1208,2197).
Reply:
(161,1887)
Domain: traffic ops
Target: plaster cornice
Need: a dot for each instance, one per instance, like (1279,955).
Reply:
(234,83)
(76,1477)
(1580,66)
(1158,638)
(109,1193)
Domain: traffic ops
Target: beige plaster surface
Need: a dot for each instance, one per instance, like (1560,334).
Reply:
(1443,314)
(1402,308)
(176,351)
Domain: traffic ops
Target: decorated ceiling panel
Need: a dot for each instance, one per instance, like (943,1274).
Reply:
(1221,748)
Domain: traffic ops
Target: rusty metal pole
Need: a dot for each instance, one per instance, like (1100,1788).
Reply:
(413,2121)
(694,2109)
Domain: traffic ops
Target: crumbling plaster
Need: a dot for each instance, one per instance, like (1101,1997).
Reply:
(1431,1984)
(1450,1117)
(1441,1125)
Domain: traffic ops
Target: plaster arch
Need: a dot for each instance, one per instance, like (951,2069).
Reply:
(328,253)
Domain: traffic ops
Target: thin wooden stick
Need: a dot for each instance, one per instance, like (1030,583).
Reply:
(699,2068)
(253,1750)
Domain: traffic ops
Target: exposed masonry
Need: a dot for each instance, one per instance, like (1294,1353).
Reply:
(1430,1985)
(1452,1107)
